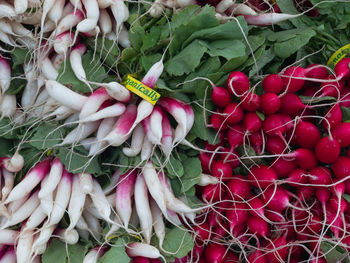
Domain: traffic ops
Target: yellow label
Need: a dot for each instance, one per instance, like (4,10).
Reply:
(338,55)
(141,90)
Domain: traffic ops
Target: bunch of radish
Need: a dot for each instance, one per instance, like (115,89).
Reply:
(282,165)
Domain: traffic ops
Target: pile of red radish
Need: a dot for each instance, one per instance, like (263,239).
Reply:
(282,201)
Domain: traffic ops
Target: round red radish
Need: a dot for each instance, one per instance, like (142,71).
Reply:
(217,122)
(257,207)
(262,176)
(239,187)
(237,214)
(205,161)
(327,150)
(212,193)
(250,102)
(290,81)
(320,176)
(221,170)
(336,205)
(333,117)
(323,194)
(252,122)
(305,192)
(235,135)
(341,133)
(256,141)
(237,83)
(231,258)
(284,167)
(292,105)
(270,103)
(272,84)
(258,226)
(275,145)
(307,134)
(332,88)
(305,158)
(339,188)
(221,230)
(221,97)
(297,177)
(276,199)
(140,260)
(342,68)
(234,113)
(257,257)
(215,253)
(345,98)
(274,125)
(202,231)
(229,156)
(274,216)
(316,71)
(280,250)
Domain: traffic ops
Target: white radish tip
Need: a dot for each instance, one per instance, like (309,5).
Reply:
(15,164)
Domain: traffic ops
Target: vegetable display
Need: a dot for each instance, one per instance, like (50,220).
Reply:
(174,131)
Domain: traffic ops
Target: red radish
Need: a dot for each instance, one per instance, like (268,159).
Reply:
(342,69)
(275,145)
(221,170)
(280,249)
(212,193)
(274,216)
(258,226)
(256,140)
(205,161)
(257,207)
(237,83)
(252,122)
(292,105)
(320,175)
(272,84)
(221,97)
(332,88)
(297,177)
(257,257)
(230,257)
(276,199)
(262,176)
(341,133)
(235,135)
(234,113)
(305,158)
(290,82)
(202,231)
(284,167)
(270,103)
(307,134)
(305,192)
(339,188)
(239,187)
(215,253)
(345,98)
(221,230)
(237,214)
(310,90)
(338,204)
(230,156)
(274,125)
(336,223)
(327,150)
(316,71)
(250,102)
(140,260)
(217,122)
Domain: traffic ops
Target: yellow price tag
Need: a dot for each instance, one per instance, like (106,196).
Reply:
(141,90)
(338,55)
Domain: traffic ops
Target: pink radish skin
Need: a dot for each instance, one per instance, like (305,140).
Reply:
(270,103)
(276,199)
(63,42)
(332,88)
(290,83)
(257,257)
(234,113)
(272,84)
(316,71)
(211,193)
(120,131)
(268,18)
(205,161)
(297,177)
(341,133)
(274,125)
(215,253)
(341,168)
(284,167)
(29,182)
(327,150)
(305,192)
(221,170)
(320,175)
(221,97)
(235,135)
(292,105)
(262,176)
(342,69)
(68,22)
(167,136)
(123,196)
(237,83)
(307,134)
(9,256)
(305,158)
(142,250)
(202,231)
(275,145)
(257,207)
(258,226)
(256,141)
(252,122)
(250,102)
(217,122)
(94,102)
(333,116)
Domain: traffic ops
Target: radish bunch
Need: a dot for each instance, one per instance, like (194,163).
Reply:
(282,167)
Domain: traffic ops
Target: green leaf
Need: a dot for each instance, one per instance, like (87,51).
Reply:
(93,69)
(135,36)
(20,56)
(346,113)
(18,81)
(56,253)
(151,39)
(346,197)
(334,254)
(182,17)
(187,60)
(178,242)
(47,135)
(128,54)
(148,61)
(76,253)
(105,49)
(266,58)
(76,160)
(226,48)
(313,100)
(233,64)
(5,146)
(174,168)
(193,170)
(115,254)
(256,41)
